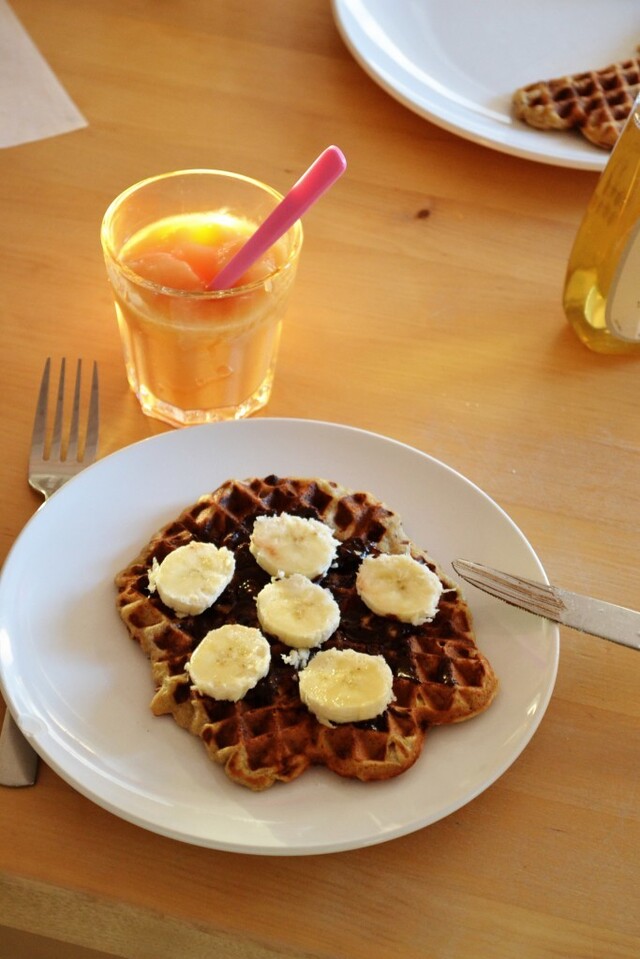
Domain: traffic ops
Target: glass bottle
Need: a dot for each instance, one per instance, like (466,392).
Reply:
(602,287)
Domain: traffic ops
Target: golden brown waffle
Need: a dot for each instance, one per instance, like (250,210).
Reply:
(596,102)
(439,674)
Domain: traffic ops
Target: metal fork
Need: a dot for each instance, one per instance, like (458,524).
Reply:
(51,464)
(50,469)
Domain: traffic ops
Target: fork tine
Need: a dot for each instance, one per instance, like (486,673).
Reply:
(56,438)
(93,420)
(40,420)
(47,475)
(72,447)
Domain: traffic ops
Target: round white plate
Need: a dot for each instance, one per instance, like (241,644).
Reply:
(458,62)
(80,688)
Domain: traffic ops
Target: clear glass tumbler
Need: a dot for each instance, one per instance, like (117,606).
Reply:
(193,355)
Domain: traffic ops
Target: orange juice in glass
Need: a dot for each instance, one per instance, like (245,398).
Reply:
(194,355)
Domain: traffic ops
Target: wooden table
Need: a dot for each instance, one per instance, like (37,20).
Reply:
(429,300)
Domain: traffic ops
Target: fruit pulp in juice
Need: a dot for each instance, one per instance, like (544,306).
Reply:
(194,355)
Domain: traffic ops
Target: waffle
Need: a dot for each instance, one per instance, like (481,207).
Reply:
(439,674)
(596,102)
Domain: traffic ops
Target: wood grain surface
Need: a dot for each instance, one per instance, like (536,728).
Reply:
(427,308)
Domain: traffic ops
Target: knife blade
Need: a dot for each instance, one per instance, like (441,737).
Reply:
(605,620)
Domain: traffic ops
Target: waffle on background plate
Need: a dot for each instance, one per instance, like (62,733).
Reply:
(440,676)
(596,102)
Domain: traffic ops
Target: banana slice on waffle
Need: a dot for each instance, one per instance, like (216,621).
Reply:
(286,543)
(192,577)
(398,585)
(300,613)
(229,662)
(345,686)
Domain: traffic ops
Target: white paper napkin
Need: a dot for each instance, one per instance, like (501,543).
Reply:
(33,103)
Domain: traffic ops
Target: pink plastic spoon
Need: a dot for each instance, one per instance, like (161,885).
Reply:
(322,173)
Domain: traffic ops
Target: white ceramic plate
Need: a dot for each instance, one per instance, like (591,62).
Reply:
(458,62)
(80,688)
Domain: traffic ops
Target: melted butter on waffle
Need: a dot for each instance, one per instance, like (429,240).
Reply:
(439,675)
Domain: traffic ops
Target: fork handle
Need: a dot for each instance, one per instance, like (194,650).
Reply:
(18,759)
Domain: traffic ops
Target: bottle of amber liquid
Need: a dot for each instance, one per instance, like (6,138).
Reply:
(602,287)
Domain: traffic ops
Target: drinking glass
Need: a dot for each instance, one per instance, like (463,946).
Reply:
(193,355)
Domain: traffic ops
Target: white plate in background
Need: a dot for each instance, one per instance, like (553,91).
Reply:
(458,62)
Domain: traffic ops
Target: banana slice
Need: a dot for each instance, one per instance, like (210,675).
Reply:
(286,544)
(229,661)
(192,577)
(398,585)
(300,613)
(344,686)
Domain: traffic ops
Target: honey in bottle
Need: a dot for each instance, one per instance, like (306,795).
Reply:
(602,287)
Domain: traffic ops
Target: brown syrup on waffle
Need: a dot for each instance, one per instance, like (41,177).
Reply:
(439,674)
(596,102)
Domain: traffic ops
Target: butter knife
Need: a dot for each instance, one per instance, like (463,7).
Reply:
(615,623)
